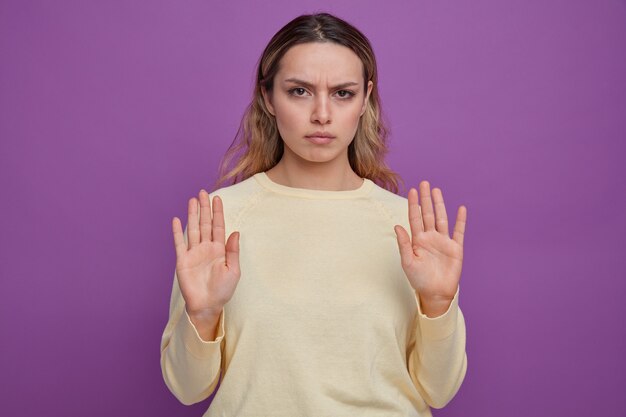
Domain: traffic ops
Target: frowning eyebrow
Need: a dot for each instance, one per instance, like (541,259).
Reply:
(311,86)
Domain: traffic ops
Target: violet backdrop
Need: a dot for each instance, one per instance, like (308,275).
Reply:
(114,113)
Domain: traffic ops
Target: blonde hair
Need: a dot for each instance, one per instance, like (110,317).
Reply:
(257,146)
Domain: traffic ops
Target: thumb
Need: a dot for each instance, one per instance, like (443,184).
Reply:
(404,245)
(232,252)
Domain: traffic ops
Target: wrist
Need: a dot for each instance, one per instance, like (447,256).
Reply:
(206,323)
(207,314)
(434,307)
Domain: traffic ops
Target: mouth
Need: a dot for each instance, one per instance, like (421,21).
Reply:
(320,135)
(320,138)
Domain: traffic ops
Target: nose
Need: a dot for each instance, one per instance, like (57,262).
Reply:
(321,110)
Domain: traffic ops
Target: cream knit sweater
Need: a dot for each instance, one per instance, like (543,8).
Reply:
(323,321)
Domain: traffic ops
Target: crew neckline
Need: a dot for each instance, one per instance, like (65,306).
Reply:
(264,180)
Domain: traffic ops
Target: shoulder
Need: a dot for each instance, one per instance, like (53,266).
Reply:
(387,196)
(394,205)
(240,190)
(236,197)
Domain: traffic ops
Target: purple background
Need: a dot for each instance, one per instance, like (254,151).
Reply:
(113,114)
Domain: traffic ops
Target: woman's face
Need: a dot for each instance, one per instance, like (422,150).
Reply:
(318,89)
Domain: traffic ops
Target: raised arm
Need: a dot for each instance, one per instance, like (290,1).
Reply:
(432,262)
(207,273)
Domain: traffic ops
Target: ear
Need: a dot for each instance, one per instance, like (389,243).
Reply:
(370,85)
(267,100)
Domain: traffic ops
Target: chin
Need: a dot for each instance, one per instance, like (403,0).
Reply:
(314,154)
(319,156)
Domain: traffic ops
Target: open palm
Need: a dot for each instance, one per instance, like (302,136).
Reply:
(431,260)
(206,267)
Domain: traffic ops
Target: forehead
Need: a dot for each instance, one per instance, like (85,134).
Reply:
(326,60)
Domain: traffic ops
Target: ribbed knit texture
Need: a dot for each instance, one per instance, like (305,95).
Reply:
(323,321)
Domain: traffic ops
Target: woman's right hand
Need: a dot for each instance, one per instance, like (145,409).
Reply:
(206,267)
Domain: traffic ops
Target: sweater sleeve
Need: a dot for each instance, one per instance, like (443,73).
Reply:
(190,366)
(437,360)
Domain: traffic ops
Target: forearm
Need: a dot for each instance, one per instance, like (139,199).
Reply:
(191,366)
(190,361)
(437,361)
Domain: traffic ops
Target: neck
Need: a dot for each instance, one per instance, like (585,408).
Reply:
(336,175)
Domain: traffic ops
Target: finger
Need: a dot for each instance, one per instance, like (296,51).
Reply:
(232,252)
(404,245)
(426,203)
(179,239)
(193,230)
(219,231)
(205,216)
(415,215)
(459,226)
(441,217)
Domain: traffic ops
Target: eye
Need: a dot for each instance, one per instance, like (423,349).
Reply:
(346,94)
(298,91)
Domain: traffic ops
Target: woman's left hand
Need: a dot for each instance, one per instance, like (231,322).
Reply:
(430,259)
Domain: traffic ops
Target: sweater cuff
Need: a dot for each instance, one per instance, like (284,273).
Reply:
(442,326)
(192,340)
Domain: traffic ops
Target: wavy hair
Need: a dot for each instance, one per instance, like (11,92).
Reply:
(257,146)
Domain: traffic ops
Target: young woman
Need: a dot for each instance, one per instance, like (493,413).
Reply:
(320,302)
